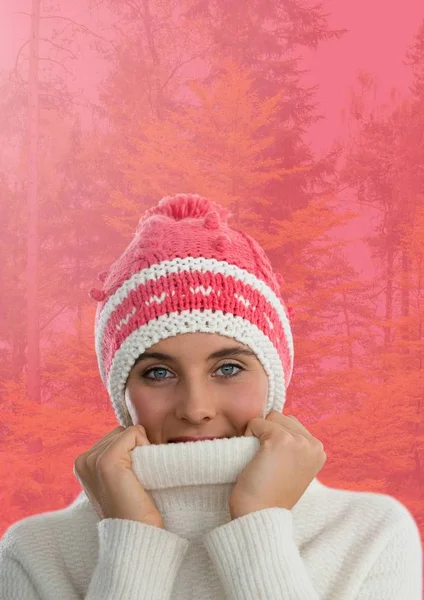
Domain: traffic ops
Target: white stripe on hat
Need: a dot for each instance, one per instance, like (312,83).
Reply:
(178,265)
(191,321)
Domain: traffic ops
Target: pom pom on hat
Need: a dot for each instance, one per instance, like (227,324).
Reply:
(185,206)
(221,243)
(102,276)
(212,220)
(280,279)
(98,295)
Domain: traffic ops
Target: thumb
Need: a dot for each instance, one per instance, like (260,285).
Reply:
(248,432)
(259,428)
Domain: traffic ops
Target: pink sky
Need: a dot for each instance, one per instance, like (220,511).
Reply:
(380,32)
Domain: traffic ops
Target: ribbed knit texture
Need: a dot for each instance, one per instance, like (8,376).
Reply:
(333,544)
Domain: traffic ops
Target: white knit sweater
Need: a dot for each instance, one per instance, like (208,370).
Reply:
(333,544)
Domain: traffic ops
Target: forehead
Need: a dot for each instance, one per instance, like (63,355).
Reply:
(195,348)
(198,348)
(195,341)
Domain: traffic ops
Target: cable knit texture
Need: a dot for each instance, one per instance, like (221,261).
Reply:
(332,545)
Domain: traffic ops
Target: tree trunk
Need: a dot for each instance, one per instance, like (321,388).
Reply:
(405,297)
(348,333)
(33,353)
(389,297)
(79,298)
(157,84)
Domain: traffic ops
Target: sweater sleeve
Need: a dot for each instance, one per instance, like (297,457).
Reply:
(15,583)
(135,564)
(256,558)
(135,561)
(397,573)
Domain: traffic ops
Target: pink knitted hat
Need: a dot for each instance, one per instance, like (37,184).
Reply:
(185,271)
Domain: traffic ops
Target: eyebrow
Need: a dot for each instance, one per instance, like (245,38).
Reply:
(224,352)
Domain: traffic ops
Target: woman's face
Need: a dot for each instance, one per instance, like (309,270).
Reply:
(198,385)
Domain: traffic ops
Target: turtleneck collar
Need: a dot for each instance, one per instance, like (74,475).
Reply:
(197,476)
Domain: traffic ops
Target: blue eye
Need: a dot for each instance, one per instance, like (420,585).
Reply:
(159,373)
(161,370)
(231,366)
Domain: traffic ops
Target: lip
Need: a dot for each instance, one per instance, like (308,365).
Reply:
(192,439)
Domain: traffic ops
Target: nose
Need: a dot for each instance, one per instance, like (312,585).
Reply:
(196,402)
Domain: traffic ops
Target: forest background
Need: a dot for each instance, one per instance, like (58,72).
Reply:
(305,119)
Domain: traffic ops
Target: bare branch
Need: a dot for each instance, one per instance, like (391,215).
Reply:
(180,65)
(16,62)
(63,100)
(59,47)
(80,25)
(49,320)
(58,63)
(136,8)
(20,12)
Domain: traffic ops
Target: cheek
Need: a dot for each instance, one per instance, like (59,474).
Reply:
(248,402)
(147,407)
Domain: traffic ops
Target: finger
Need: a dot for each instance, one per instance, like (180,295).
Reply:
(104,441)
(128,440)
(109,435)
(262,429)
(291,423)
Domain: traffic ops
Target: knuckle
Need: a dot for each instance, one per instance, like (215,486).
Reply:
(303,441)
(102,461)
(274,416)
(318,444)
(284,437)
(79,462)
(135,428)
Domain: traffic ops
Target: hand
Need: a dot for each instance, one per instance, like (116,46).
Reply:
(287,461)
(111,485)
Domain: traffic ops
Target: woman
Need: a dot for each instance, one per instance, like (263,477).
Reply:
(193,340)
